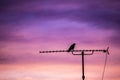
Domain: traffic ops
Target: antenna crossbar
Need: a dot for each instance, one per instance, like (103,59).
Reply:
(85,50)
(72,51)
(82,53)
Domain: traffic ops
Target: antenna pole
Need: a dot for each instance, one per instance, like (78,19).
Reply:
(83,76)
(82,54)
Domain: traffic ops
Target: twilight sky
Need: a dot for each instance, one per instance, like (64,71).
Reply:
(28,26)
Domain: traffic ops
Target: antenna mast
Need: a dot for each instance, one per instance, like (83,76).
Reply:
(82,53)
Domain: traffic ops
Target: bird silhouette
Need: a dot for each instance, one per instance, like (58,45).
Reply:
(71,48)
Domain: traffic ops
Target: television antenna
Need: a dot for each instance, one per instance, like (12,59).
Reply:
(71,49)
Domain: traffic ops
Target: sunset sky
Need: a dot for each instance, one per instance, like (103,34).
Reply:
(30,26)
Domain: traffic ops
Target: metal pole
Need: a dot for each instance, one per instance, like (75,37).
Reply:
(82,53)
(83,76)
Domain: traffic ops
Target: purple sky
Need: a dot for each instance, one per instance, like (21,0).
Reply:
(27,26)
(40,23)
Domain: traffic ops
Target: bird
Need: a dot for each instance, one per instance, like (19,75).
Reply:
(71,48)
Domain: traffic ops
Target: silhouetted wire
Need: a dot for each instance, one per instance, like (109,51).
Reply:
(103,73)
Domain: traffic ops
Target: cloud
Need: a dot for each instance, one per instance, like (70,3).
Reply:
(115,40)
(9,34)
(5,58)
(104,13)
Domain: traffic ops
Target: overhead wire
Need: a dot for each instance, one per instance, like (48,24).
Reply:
(103,73)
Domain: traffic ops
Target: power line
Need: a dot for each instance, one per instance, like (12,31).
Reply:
(103,73)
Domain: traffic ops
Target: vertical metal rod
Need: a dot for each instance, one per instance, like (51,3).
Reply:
(83,76)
